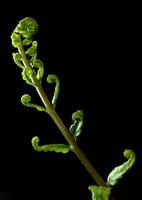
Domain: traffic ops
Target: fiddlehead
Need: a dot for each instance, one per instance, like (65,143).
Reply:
(26,101)
(27,27)
(58,148)
(52,78)
(118,172)
(26,75)
(103,193)
(33,70)
(76,127)
(18,59)
(27,60)
(35,63)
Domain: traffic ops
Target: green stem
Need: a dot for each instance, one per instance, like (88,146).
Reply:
(74,146)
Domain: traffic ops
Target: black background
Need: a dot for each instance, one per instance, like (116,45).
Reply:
(96,54)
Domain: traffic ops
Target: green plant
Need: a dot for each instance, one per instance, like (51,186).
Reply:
(32,73)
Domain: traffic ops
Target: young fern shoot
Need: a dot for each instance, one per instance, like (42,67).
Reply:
(32,73)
